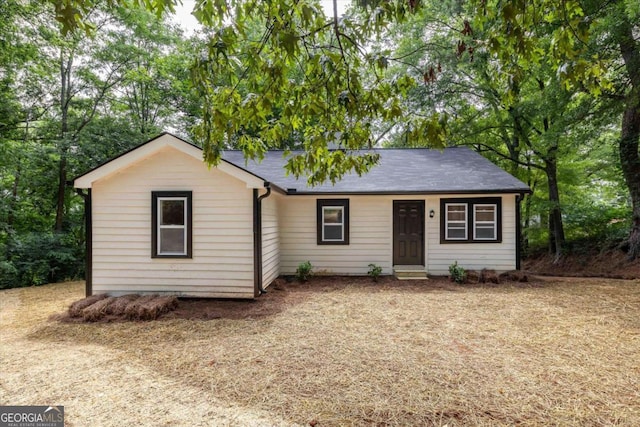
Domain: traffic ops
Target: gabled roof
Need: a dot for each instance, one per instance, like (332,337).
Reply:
(457,170)
(151,147)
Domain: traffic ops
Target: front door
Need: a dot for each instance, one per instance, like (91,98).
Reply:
(408,232)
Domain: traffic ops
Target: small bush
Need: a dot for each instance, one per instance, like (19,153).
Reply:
(374,272)
(457,273)
(304,271)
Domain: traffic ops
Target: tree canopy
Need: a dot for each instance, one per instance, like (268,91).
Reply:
(284,75)
(549,90)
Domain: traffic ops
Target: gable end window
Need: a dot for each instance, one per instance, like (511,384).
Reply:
(171,224)
(333,221)
(476,220)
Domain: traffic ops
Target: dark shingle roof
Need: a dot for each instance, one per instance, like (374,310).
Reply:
(456,170)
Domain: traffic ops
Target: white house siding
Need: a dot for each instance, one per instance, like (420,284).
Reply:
(222,263)
(371,237)
(270,239)
(369,242)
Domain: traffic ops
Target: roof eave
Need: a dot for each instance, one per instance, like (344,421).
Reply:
(294,192)
(111,166)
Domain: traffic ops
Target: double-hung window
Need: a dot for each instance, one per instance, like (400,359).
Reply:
(471,220)
(333,221)
(456,221)
(171,218)
(485,221)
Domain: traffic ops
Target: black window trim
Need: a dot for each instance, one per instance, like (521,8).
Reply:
(470,202)
(154,222)
(322,203)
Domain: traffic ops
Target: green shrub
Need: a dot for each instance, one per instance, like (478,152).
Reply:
(304,271)
(374,272)
(457,273)
(39,258)
(8,275)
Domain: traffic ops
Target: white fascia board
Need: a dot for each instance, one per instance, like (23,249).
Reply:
(251,180)
(152,147)
(133,156)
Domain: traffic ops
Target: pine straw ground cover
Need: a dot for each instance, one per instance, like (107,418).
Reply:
(341,352)
(101,307)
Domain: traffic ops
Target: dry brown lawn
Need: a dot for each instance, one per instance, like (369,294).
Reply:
(563,352)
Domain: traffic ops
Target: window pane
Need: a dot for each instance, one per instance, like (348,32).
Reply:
(456,213)
(332,223)
(456,221)
(332,215)
(172,212)
(485,222)
(172,240)
(332,232)
(485,213)
(485,232)
(456,233)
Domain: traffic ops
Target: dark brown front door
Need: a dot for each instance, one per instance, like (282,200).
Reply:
(408,232)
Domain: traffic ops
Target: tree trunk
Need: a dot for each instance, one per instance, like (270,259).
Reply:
(556,227)
(65,98)
(527,216)
(13,206)
(630,135)
(62,179)
(630,162)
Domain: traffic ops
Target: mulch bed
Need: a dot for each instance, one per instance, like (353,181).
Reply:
(613,264)
(283,293)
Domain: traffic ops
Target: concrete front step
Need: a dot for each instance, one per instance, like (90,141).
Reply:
(409,272)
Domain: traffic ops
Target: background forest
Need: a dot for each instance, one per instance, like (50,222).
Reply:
(551,94)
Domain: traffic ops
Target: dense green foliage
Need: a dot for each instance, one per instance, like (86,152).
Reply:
(536,87)
(548,90)
(67,104)
(40,257)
